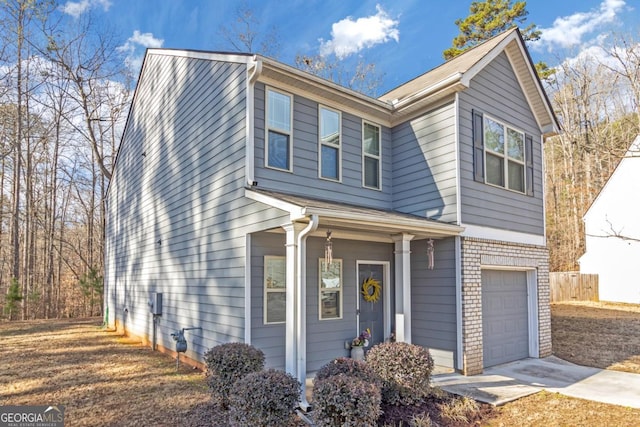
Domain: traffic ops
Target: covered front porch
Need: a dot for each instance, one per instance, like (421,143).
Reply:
(330,251)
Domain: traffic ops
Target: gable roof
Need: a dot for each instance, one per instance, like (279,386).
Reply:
(456,74)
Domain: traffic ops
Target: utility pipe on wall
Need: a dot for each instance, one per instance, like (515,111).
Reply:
(301,304)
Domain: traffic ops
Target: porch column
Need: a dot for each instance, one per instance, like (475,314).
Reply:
(291,328)
(403,286)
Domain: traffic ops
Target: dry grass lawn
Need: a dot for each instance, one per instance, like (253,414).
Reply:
(104,379)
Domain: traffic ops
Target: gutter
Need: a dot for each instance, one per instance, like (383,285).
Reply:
(252,76)
(301,304)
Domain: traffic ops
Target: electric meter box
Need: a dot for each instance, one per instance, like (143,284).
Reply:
(156,303)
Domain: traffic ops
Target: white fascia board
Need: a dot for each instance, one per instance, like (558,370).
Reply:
(434,88)
(210,56)
(295,212)
(373,219)
(489,233)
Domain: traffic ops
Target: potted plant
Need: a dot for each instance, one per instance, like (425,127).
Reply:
(359,343)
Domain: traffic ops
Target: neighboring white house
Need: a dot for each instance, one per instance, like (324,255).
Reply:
(612,228)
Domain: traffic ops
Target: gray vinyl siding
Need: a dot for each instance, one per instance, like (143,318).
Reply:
(495,91)
(177,216)
(305,174)
(325,338)
(433,300)
(270,338)
(424,165)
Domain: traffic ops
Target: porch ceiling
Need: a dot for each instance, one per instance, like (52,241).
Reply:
(354,221)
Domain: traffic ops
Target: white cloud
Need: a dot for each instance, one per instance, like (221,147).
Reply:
(77,8)
(130,48)
(349,36)
(569,31)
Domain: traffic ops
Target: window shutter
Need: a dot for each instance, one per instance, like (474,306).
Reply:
(528,153)
(478,146)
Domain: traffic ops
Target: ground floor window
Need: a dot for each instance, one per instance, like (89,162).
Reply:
(275,271)
(330,289)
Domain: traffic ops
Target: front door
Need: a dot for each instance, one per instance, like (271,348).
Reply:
(371,294)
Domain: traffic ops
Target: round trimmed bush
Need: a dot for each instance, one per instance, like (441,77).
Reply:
(266,398)
(349,367)
(342,400)
(405,370)
(227,363)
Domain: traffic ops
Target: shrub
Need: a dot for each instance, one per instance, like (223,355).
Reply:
(405,370)
(460,409)
(227,363)
(346,401)
(351,368)
(266,398)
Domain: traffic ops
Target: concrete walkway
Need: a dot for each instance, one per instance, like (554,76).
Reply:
(505,383)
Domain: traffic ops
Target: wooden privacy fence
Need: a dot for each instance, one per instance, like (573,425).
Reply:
(573,286)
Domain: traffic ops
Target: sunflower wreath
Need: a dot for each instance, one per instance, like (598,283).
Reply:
(371,289)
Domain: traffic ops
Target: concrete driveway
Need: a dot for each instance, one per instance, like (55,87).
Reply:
(505,383)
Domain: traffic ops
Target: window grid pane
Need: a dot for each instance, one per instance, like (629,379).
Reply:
(516,176)
(371,172)
(330,162)
(278,150)
(279,111)
(515,145)
(495,170)
(329,127)
(371,140)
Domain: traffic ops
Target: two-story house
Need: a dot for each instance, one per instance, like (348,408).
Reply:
(272,207)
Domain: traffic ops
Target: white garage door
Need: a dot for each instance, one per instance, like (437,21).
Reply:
(505,316)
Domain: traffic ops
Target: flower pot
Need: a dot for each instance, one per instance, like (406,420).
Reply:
(357,353)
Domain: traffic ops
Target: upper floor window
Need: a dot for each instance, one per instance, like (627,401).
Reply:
(330,143)
(371,155)
(503,156)
(278,129)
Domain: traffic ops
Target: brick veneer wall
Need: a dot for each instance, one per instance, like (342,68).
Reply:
(487,253)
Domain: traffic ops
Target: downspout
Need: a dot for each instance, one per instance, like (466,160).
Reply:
(252,76)
(301,304)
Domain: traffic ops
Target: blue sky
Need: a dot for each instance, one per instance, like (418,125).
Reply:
(404,38)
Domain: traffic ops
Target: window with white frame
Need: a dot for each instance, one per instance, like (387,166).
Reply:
(330,289)
(330,143)
(275,291)
(504,155)
(371,155)
(278,130)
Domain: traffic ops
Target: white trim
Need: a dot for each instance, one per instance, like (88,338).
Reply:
(210,56)
(386,289)
(398,104)
(459,342)
(378,157)
(489,233)
(249,161)
(267,128)
(247,290)
(457,147)
(543,186)
(336,146)
(402,284)
(295,212)
(532,292)
(487,58)
(301,306)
